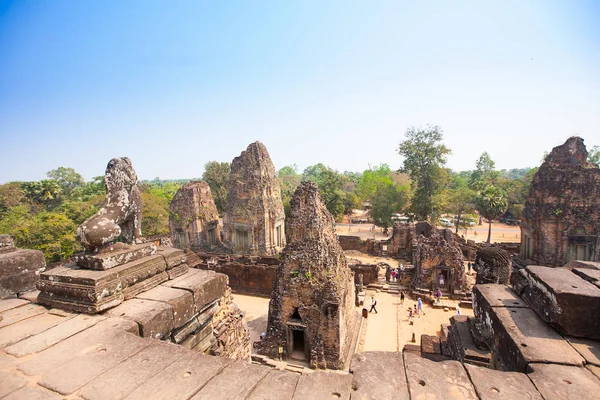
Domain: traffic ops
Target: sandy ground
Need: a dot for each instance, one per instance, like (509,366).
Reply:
(478,233)
(257,312)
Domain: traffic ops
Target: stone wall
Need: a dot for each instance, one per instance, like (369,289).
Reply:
(369,272)
(254,217)
(247,274)
(353,243)
(193,218)
(561,219)
(493,265)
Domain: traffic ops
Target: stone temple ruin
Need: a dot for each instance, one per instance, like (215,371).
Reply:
(193,218)
(19,268)
(311,312)
(138,281)
(561,219)
(493,265)
(254,218)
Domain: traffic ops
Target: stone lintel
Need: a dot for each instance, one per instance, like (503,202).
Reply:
(112,259)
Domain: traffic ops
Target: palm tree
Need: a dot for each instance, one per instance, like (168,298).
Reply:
(491,202)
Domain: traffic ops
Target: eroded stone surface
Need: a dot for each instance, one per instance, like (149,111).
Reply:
(277,385)
(561,382)
(121,214)
(437,380)
(19,270)
(206,286)
(254,217)
(154,318)
(180,300)
(314,288)
(110,259)
(493,265)
(323,385)
(29,327)
(236,381)
(587,348)
(558,296)
(120,381)
(371,377)
(493,385)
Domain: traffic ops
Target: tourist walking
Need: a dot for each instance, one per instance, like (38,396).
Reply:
(469,266)
(373,304)
(420,305)
(394,275)
(438,295)
(402,297)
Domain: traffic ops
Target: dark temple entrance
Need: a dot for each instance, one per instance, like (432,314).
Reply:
(298,346)
(298,352)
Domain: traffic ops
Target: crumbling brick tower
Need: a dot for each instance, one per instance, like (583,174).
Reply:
(311,312)
(561,219)
(254,218)
(194,219)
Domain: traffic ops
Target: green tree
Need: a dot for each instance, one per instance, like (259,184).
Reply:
(424,157)
(11,195)
(389,199)
(594,155)
(46,192)
(155,214)
(485,173)
(216,174)
(491,202)
(330,186)
(67,179)
(460,199)
(289,179)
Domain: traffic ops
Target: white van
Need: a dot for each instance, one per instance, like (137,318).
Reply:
(445,222)
(400,218)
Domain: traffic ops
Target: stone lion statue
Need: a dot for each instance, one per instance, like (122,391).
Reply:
(121,214)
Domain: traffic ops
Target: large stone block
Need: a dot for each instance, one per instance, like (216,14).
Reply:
(493,384)
(91,291)
(180,300)
(590,275)
(564,300)
(371,378)
(173,257)
(19,270)
(112,259)
(561,382)
(518,337)
(154,318)
(437,380)
(206,286)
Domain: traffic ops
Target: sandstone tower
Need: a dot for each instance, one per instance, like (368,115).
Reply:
(193,218)
(561,219)
(254,218)
(311,312)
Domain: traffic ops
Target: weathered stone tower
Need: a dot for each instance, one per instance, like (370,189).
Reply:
(193,218)
(311,313)
(561,219)
(254,218)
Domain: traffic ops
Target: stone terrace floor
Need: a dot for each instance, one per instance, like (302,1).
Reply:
(52,354)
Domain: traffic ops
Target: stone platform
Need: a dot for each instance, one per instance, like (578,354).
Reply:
(52,355)
(19,268)
(75,288)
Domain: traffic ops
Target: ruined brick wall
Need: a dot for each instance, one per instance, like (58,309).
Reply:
(313,282)
(254,217)
(353,243)
(561,219)
(369,272)
(193,218)
(438,248)
(401,243)
(249,275)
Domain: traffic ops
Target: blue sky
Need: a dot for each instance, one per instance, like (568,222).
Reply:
(173,85)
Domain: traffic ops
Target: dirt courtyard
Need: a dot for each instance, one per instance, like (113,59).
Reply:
(388,330)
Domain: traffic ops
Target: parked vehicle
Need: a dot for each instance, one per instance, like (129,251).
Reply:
(445,222)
